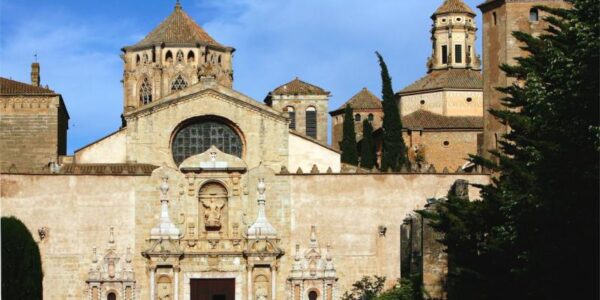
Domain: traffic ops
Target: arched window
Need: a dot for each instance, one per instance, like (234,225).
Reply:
(312,295)
(111,296)
(145,58)
(292,114)
(311,122)
(137,60)
(191,57)
(219,59)
(495,18)
(145,91)
(179,56)
(534,15)
(169,57)
(357,117)
(178,84)
(196,137)
(371,117)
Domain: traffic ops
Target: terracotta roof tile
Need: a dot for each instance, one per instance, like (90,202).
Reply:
(178,28)
(428,120)
(299,87)
(451,78)
(363,100)
(12,87)
(454,6)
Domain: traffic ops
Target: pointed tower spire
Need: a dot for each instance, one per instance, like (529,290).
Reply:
(261,227)
(177,5)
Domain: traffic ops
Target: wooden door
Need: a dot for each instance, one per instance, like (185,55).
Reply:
(212,289)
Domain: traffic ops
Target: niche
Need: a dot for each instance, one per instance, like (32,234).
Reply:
(213,206)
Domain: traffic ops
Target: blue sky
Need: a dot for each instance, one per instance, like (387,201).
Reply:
(329,43)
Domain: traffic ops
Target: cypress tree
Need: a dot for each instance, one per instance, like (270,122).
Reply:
(21,262)
(348,144)
(368,157)
(394,149)
(534,234)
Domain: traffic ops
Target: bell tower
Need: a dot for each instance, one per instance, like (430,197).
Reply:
(453,36)
(173,56)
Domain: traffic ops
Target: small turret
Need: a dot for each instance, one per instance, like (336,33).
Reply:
(35,74)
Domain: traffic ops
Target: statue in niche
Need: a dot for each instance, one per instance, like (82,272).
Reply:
(212,212)
(164,288)
(261,293)
(213,198)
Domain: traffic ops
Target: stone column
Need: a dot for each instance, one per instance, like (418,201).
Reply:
(273,283)
(176,282)
(152,283)
(250,282)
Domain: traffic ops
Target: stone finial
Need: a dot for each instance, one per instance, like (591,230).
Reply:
(313,236)
(460,170)
(111,235)
(284,170)
(431,169)
(261,227)
(165,228)
(404,168)
(43,232)
(445,170)
(460,189)
(382,229)
(314,169)
(299,171)
(94,255)
(329,170)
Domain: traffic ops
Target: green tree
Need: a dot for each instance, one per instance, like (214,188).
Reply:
(371,288)
(534,234)
(21,263)
(348,144)
(368,156)
(365,289)
(394,149)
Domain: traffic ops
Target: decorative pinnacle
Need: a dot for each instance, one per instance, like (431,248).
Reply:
(261,187)
(313,236)
(177,5)
(164,188)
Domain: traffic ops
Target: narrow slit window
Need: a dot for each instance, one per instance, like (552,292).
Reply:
(357,117)
(444,54)
(311,122)
(292,115)
(458,53)
(534,15)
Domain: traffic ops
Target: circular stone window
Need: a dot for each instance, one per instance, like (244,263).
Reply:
(469,99)
(458,19)
(446,143)
(197,136)
(422,102)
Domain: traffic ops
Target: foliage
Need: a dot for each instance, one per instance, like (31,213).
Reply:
(368,155)
(372,289)
(534,234)
(394,150)
(21,263)
(365,289)
(348,144)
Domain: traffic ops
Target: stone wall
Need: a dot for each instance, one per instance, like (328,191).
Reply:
(33,132)
(360,216)
(109,149)
(452,155)
(305,153)
(77,212)
(446,103)
(300,103)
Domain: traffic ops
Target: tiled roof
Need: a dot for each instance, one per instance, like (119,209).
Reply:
(454,6)
(11,87)
(108,169)
(178,28)
(428,120)
(363,100)
(299,87)
(450,78)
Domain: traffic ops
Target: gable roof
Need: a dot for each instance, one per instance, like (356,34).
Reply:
(178,28)
(446,79)
(298,87)
(12,87)
(453,6)
(423,119)
(361,100)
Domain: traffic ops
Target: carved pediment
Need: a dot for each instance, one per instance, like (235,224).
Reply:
(213,159)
